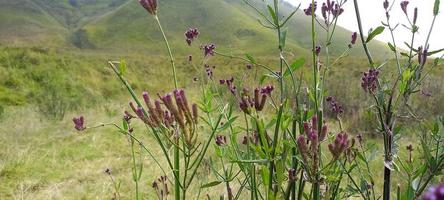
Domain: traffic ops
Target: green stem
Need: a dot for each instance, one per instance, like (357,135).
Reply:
(176,148)
(167,45)
(361,32)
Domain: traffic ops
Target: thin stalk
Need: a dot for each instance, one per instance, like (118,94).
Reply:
(176,149)
(361,32)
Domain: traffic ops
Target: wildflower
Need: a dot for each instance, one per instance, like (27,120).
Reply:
(303,149)
(149,5)
(386,4)
(422,55)
(161,187)
(249,66)
(415,15)
(79,123)
(108,171)
(292,175)
(209,49)
(340,144)
(190,58)
(267,89)
(308,11)
(208,71)
(337,10)
(335,106)
(370,80)
(222,81)
(434,193)
(318,50)
(404,5)
(353,38)
(221,140)
(191,34)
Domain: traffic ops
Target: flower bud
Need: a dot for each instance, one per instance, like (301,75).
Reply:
(79,123)
(149,5)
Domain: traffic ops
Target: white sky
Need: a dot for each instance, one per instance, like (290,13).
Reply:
(372,13)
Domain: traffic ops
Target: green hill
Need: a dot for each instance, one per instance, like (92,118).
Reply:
(123,26)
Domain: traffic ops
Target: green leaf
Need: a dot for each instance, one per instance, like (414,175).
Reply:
(273,15)
(374,33)
(227,124)
(434,52)
(391,47)
(283,38)
(295,66)
(250,58)
(436,8)
(211,184)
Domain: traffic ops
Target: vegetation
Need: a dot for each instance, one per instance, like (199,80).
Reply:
(241,150)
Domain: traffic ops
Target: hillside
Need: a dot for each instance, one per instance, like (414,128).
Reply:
(123,26)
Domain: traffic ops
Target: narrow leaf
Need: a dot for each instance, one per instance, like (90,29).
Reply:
(436,8)
(375,33)
(295,66)
(273,15)
(211,184)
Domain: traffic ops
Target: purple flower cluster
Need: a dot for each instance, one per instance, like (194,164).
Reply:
(340,145)
(330,8)
(336,108)
(258,100)
(312,136)
(209,71)
(254,139)
(230,85)
(221,140)
(149,5)
(404,5)
(178,112)
(422,55)
(308,11)
(434,193)
(79,123)
(354,37)
(209,49)
(370,80)
(191,34)
(161,187)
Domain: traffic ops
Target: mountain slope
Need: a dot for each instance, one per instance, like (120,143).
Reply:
(122,26)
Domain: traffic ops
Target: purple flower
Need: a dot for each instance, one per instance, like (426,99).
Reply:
(249,66)
(422,55)
(337,10)
(434,193)
(386,4)
(339,145)
(370,80)
(209,71)
(308,11)
(415,15)
(149,5)
(79,123)
(221,140)
(404,5)
(336,108)
(190,58)
(191,34)
(318,50)
(292,174)
(209,49)
(353,38)
(267,89)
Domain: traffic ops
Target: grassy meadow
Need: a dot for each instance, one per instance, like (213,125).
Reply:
(54,66)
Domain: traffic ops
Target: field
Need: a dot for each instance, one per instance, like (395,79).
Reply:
(54,67)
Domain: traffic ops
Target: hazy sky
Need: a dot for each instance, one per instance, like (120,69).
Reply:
(372,13)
